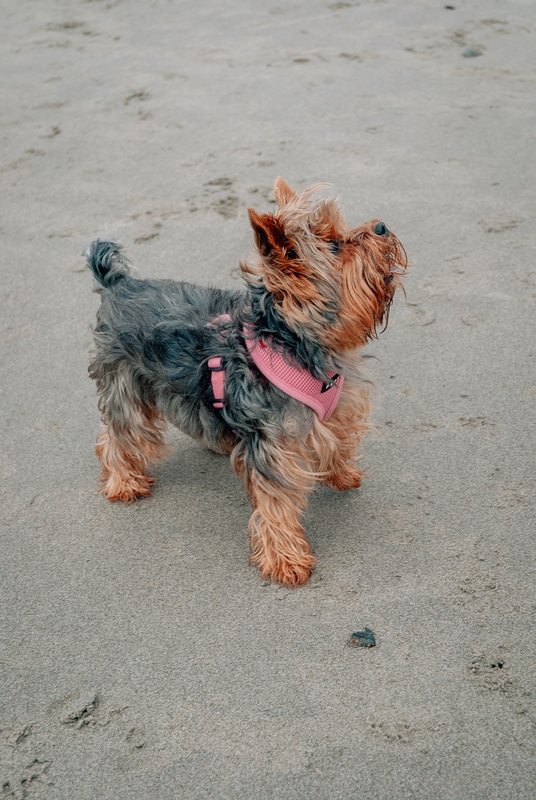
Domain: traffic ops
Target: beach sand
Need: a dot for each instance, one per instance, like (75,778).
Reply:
(142,657)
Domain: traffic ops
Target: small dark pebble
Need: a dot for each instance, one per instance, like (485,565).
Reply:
(363,638)
(470,53)
(450,8)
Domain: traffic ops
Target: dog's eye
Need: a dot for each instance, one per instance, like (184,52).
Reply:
(335,246)
(381,229)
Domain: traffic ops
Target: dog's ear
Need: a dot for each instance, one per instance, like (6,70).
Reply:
(269,233)
(282,192)
(284,274)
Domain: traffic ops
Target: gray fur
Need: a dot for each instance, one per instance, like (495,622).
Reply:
(107,262)
(153,343)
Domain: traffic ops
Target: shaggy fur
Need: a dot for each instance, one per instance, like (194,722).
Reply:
(316,288)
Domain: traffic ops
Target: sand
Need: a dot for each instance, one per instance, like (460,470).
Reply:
(142,657)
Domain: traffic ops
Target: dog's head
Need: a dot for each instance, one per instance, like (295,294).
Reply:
(324,279)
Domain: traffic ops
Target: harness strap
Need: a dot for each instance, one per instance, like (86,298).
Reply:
(283,372)
(217,370)
(293,379)
(217,377)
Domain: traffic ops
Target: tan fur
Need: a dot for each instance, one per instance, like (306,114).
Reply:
(278,544)
(341,435)
(295,265)
(125,455)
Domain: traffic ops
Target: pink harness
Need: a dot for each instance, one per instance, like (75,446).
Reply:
(285,373)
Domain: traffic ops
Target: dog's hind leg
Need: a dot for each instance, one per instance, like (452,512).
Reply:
(278,544)
(130,441)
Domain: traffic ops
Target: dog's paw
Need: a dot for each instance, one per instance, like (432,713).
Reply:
(290,574)
(127,488)
(344,480)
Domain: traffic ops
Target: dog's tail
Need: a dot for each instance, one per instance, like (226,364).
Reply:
(107,262)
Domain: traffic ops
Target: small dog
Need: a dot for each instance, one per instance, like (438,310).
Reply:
(268,375)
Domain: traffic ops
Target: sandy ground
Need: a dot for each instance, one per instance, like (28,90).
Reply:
(142,657)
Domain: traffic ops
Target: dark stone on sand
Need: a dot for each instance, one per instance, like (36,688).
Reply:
(470,53)
(363,638)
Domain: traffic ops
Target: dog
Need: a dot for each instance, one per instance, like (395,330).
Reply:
(270,375)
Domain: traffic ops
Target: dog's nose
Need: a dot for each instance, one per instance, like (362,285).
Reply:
(381,229)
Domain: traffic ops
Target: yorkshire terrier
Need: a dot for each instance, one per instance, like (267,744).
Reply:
(269,375)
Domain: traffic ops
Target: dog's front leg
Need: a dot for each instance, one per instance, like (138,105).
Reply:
(342,434)
(278,544)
